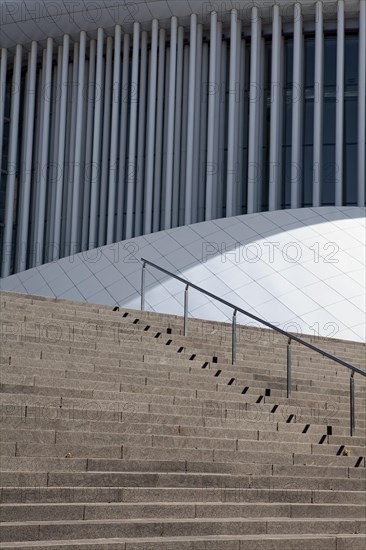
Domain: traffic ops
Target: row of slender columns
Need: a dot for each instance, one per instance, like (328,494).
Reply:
(125,152)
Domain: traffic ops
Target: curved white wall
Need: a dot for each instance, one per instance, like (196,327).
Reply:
(303,269)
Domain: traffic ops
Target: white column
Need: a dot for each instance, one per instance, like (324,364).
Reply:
(219,200)
(165,137)
(84,139)
(12,159)
(95,170)
(90,94)
(198,121)
(177,127)
(159,131)
(362,106)
(231,141)
(241,129)
(3,60)
(44,154)
(66,247)
(61,146)
(55,172)
(318,105)
(219,132)
(116,93)
(255,96)
(297,110)
(105,142)
(23,131)
(123,138)
(203,133)
(75,221)
(50,177)
(190,121)
(260,125)
(23,219)
(170,128)
(131,175)
(183,164)
(237,121)
(139,198)
(150,145)
(281,188)
(37,161)
(211,161)
(339,107)
(276,95)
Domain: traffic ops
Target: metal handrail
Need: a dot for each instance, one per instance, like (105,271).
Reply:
(236,309)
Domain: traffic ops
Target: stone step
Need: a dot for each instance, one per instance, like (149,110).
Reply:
(17,409)
(156,337)
(88,450)
(191,377)
(192,474)
(331,444)
(57,448)
(209,414)
(243,461)
(256,404)
(153,354)
(47,530)
(16,385)
(49,334)
(224,329)
(75,309)
(167,454)
(53,334)
(178,372)
(175,510)
(216,542)
(23,495)
(167,382)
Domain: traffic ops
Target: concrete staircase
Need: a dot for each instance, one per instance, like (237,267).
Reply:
(118,432)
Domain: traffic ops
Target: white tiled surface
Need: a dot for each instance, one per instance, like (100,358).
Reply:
(307,272)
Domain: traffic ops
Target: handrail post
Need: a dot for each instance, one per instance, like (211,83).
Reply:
(143,286)
(352,403)
(233,339)
(186,310)
(289,368)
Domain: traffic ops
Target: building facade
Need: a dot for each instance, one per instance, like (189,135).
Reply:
(121,120)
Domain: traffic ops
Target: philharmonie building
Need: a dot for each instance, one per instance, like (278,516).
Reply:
(222,141)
